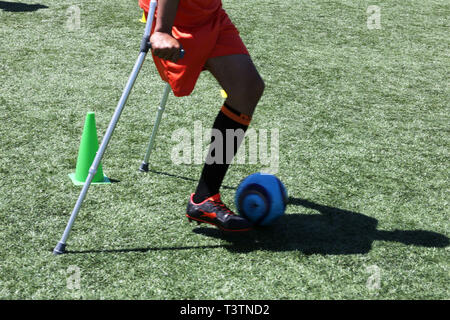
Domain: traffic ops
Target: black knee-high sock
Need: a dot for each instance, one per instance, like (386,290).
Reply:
(213,173)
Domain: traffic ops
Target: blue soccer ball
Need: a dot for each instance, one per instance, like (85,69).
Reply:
(261,198)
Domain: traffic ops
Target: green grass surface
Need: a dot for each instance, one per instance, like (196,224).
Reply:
(363,117)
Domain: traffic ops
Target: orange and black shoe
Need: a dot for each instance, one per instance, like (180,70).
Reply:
(213,211)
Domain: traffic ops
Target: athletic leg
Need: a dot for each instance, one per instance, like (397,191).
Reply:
(239,78)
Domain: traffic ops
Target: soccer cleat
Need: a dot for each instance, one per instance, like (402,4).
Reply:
(213,211)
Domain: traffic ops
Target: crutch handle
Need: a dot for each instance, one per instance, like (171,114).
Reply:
(146,46)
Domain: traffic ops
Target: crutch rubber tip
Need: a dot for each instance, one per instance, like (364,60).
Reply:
(59,249)
(143,167)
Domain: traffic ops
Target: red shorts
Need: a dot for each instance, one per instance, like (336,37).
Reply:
(217,37)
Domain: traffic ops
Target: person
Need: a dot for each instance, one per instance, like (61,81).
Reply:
(211,42)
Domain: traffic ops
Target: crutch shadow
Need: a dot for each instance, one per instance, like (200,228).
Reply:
(149,249)
(183,178)
(20,7)
(332,232)
(142,250)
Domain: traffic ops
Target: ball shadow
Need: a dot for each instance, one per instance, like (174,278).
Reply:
(332,232)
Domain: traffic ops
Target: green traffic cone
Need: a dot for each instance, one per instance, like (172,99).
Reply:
(86,154)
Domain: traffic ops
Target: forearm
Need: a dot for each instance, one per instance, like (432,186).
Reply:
(167,10)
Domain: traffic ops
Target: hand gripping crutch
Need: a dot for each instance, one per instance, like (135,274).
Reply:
(145,46)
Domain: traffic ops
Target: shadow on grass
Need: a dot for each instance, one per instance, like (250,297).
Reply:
(143,250)
(20,7)
(332,232)
(184,178)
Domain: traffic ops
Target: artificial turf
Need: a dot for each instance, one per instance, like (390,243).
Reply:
(363,120)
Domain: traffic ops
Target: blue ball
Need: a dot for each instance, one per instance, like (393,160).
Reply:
(261,198)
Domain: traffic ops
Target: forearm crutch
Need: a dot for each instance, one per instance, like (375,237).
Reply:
(162,106)
(144,48)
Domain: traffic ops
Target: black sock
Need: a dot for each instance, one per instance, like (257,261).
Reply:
(213,173)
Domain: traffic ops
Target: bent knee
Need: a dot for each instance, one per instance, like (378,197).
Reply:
(259,86)
(249,89)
